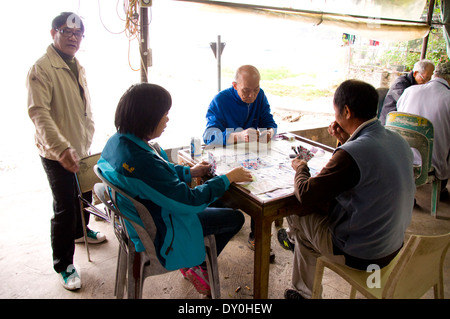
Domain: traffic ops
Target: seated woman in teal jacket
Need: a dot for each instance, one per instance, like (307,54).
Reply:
(142,169)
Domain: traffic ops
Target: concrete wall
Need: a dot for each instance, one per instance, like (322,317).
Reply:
(319,134)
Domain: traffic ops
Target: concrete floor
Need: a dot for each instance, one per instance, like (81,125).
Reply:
(26,264)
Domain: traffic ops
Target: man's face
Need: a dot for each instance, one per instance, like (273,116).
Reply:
(247,88)
(342,118)
(337,115)
(67,40)
(425,76)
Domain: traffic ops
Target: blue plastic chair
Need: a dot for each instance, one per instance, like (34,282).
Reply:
(419,133)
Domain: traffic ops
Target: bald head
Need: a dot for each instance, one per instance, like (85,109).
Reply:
(246,71)
(246,83)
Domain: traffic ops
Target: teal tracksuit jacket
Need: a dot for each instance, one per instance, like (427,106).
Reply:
(146,175)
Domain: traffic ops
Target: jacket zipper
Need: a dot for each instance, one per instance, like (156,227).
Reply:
(173,236)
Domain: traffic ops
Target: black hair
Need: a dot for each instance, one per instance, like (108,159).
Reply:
(71,19)
(360,97)
(141,108)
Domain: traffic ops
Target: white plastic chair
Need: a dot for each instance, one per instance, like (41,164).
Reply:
(139,266)
(417,268)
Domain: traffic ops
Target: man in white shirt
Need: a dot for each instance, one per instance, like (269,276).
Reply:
(432,101)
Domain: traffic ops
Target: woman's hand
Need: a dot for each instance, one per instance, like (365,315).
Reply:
(239,174)
(201,169)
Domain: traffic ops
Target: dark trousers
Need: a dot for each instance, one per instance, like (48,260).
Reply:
(66,224)
(223,223)
(219,204)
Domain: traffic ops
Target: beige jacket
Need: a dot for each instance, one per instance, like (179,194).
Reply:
(61,116)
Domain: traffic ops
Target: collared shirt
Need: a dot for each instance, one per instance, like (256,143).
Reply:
(359,128)
(432,101)
(62,117)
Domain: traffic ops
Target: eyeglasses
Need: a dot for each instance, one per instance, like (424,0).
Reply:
(426,80)
(67,33)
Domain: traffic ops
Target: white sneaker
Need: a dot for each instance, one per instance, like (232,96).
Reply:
(70,278)
(93,237)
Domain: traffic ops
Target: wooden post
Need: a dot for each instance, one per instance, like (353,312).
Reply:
(425,40)
(144,43)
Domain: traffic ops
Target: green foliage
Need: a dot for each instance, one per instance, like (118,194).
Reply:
(305,92)
(267,74)
(407,53)
(276,74)
(437,51)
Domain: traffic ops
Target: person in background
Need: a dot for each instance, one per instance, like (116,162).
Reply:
(59,106)
(432,101)
(142,169)
(421,74)
(356,210)
(239,114)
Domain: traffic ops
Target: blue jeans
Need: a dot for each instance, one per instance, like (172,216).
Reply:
(66,224)
(223,223)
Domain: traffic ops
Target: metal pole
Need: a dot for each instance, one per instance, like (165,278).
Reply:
(217,49)
(144,44)
(219,66)
(425,40)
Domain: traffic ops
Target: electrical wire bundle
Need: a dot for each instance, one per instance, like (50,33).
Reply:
(132,28)
(131,9)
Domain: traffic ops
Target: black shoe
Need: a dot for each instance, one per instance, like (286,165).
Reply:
(284,241)
(292,294)
(444,195)
(272,256)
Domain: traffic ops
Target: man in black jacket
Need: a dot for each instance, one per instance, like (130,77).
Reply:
(421,74)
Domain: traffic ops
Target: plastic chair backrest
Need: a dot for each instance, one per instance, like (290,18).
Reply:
(421,143)
(418,268)
(119,229)
(146,233)
(85,175)
(413,122)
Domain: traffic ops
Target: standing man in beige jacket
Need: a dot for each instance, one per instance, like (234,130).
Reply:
(59,106)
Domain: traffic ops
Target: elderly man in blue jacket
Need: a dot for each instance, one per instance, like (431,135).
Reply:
(240,113)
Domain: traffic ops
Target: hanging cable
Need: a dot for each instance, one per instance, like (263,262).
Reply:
(101,20)
(132,27)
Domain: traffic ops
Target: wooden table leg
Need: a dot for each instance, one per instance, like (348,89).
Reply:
(262,255)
